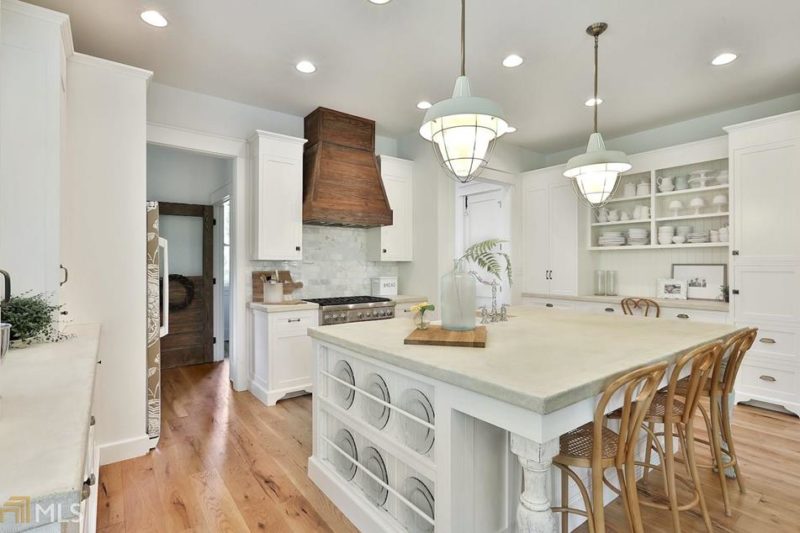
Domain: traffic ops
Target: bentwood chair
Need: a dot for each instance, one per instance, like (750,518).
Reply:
(629,305)
(677,417)
(596,447)
(718,390)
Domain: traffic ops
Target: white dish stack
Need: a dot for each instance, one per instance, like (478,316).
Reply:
(638,236)
(611,238)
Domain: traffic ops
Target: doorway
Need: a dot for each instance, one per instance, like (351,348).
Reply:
(484,213)
(188,228)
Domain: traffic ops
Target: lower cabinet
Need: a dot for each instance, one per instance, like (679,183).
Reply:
(587,306)
(281,353)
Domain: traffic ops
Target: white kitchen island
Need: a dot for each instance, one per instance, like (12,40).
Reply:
(537,378)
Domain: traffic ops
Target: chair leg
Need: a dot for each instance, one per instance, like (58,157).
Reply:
(598,505)
(715,432)
(628,483)
(565,502)
(689,444)
(668,465)
(727,432)
(648,450)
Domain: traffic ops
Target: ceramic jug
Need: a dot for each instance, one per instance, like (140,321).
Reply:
(665,184)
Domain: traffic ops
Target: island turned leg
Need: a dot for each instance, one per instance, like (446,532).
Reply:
(533,511)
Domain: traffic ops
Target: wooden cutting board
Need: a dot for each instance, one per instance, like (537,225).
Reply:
(436,336)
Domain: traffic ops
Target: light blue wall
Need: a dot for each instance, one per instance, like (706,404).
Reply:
(687,131)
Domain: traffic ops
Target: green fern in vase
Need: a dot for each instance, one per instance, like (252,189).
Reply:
(484,255)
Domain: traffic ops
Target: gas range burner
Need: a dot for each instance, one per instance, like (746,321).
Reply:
(352,309)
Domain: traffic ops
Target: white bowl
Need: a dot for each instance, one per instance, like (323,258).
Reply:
(664,240)
(679,239)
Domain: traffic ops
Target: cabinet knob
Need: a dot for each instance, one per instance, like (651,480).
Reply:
(297,248)
(548,305)
(735,291)
(767,378)
(682,315)
(384,250)
(92,420)
(609,309)
(767,340)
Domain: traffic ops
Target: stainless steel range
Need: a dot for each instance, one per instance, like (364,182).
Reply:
(352,309)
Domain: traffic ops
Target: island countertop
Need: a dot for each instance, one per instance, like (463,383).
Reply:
(541,359)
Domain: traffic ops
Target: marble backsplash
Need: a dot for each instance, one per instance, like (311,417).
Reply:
(334,263)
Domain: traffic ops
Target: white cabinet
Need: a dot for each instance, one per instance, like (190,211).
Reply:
(765,274)
(277,195)
(281,353)
(395,242)
(32,107)
(550,233)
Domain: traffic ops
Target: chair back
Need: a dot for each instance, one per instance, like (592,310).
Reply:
(727,367)
(638,389)
(701,362)
(642,304)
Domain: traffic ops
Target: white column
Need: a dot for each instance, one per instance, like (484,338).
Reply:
(533,512)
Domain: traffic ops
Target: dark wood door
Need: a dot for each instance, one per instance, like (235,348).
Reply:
(191,286)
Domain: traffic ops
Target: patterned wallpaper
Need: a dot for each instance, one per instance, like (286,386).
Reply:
(334,263)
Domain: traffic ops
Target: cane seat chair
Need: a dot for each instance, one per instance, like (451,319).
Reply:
(596,447)
(644,305)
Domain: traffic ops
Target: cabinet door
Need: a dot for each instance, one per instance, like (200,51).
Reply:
(768,291)
(766,192)
(396,240)
(279,234)
(536,262)
(563,234)
(290,360)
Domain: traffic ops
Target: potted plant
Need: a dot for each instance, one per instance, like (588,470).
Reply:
(32,319)
(419,317)
(458,286)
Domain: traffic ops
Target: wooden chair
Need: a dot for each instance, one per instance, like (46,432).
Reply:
(598,448)
(677,417)
(718,390)
(644,304)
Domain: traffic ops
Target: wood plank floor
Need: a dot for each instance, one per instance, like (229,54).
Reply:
(227,463)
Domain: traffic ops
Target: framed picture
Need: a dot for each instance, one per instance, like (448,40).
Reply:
(704,282)
(671,289)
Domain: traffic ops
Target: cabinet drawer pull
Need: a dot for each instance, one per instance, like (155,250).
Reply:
(297,248)
(682,315)
(406,310)
(767,340)
(609,309)
(767,378)
(92,421)
(294,319)
(548,305)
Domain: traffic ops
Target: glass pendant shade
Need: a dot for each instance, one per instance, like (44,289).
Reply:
(463,130)
(595,174)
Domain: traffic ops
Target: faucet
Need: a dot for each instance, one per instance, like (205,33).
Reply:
(5,329)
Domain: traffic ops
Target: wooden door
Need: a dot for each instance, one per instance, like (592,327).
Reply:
(563,233)
(189,231)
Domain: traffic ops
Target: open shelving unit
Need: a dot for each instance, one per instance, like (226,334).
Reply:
(708,218)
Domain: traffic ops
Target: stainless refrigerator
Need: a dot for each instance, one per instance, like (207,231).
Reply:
(157,318)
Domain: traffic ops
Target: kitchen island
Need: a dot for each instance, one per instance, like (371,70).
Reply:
(537,378)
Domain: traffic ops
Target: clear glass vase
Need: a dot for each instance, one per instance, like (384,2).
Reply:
(458,300)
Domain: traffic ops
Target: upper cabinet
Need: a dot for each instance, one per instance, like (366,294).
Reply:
(32,107)
(277,195)
(395,242)
(765,161)
(550,233)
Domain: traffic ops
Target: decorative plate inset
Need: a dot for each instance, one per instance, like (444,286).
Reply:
(344,395)
(420,495)
(377,414)
(416,436)
(344,440)
(373,462)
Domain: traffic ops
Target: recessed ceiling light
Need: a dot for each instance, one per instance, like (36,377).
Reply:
(154,18)
(380,2)
(512,61)
(591,102)
(424,105)
(510,129)
(306,67)
(723,59)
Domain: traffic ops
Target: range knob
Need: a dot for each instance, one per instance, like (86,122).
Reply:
(360,315)
(369,314)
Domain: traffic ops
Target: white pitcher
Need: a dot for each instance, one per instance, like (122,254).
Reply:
(665,184)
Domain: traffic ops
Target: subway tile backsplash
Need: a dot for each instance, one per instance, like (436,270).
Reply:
(334,263)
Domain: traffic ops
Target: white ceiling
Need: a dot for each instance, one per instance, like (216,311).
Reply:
(378,61)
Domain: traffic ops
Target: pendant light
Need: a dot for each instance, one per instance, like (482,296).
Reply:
(595,174)
(464,128)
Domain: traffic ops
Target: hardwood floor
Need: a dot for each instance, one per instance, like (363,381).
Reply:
(227,463)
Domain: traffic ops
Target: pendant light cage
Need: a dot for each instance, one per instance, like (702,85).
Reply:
(463,129)
(595,174)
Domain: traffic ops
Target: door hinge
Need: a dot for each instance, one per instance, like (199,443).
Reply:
(215,222)
(213,340)
(213,281)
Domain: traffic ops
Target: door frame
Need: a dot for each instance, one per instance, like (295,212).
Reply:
(219,197)
(235,150)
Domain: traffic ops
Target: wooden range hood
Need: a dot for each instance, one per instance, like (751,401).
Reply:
(342,183)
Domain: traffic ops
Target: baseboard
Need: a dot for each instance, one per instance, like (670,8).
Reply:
(121,450)
(271,397)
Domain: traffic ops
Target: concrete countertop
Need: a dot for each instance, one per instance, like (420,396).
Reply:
(540,359)
(44,424)
(282,308)
(405,298)
(700,305)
